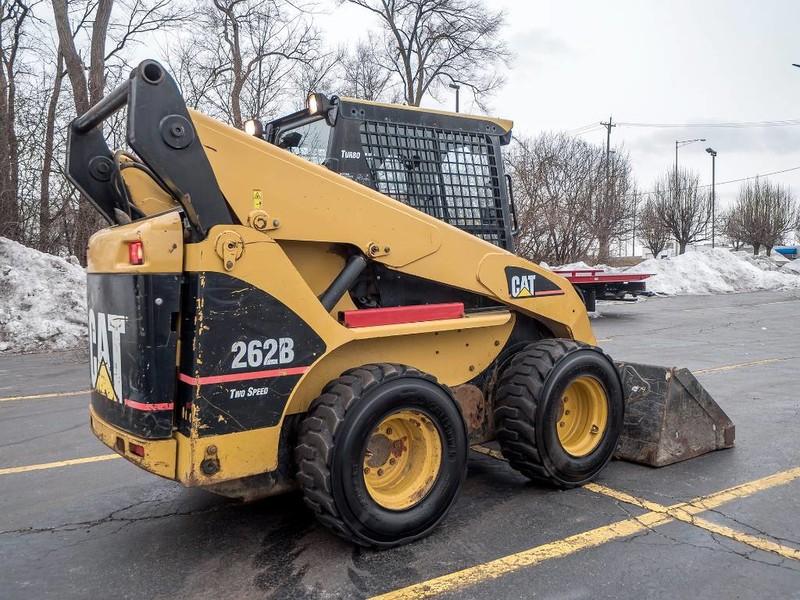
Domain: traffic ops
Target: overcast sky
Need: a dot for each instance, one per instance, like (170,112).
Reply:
(681,61)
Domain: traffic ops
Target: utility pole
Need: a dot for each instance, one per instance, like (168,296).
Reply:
(608,127)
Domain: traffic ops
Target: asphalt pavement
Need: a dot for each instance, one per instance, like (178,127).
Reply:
(76,526)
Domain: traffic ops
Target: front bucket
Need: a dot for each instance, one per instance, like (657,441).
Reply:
(669,416)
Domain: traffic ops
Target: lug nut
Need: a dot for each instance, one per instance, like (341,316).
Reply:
(366,470)
(392,461)
(595,429)
(380,472)
(388,431)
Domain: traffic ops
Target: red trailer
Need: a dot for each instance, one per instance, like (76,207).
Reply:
(596,283)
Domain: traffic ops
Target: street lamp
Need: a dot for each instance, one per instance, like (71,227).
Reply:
(455,87)
(678,144)
(713,154)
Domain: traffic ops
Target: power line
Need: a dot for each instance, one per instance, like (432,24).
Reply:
(583,129)
(707,185)
(753,177)
(730,125)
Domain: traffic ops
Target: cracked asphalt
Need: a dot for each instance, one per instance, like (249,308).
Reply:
(107,529)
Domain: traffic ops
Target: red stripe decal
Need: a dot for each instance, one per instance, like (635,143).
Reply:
(395,315)
(241,376)
(550,293)
(148,407)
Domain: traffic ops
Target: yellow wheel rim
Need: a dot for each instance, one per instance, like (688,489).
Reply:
(402,459)
(583,417)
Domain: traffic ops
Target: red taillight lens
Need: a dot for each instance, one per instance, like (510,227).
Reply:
(136,449)
(136,253)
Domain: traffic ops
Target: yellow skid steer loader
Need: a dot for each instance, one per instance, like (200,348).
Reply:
(332,302)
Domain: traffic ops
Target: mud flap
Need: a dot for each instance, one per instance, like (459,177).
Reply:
(669,416)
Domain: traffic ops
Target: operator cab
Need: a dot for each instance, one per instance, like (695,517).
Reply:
(448,165)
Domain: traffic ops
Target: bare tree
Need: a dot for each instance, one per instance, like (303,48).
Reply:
(243,56)
(612,214)
(91,37)
(364,77)
(764,212)
(652,230)
(557,181)
(431,43)
(317,73)
(730,227)
(684,210)
(45,218)
(14,18)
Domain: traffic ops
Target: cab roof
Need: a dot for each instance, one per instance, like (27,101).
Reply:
(504,124)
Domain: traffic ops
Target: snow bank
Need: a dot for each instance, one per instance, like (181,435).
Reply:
(792,266)
(42,300)
(715,271)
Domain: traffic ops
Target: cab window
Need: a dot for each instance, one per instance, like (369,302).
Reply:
(309,141)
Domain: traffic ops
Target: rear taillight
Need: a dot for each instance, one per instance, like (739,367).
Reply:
(136,449)
(136,252)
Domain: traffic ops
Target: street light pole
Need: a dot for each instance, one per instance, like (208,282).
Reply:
(456,87)
(713,154)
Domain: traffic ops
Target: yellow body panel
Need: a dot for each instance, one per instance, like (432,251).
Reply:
(313,214)
(146,194)
(315,204)
(159,455)
(162,237)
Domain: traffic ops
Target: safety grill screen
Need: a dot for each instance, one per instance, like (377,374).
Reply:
(451,175)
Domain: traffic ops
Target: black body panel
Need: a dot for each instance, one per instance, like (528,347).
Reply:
(243,352)
(132,348)
(445,165)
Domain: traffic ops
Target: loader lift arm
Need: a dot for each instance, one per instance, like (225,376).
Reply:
(163,136)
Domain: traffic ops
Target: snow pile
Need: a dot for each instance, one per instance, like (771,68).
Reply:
(42,300)
(763,262)
(793,266)
(714,271)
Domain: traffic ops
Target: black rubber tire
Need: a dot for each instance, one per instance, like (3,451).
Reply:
(528,399)
(331,444)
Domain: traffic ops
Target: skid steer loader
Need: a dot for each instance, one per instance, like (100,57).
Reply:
(259,322)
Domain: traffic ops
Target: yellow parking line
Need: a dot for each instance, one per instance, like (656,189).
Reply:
(754,363)
(39,396)
(745,538)
(601,535)
(686,512)
(526,558)
(57,464)
(624,497)
(741,491)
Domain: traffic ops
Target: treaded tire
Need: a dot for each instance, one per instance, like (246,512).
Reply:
(528,400)
(333,437)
